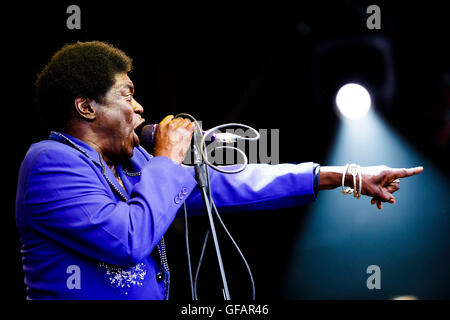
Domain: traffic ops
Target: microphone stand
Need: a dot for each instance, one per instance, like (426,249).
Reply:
(202,182)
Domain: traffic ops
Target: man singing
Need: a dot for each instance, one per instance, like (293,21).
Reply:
(92,205)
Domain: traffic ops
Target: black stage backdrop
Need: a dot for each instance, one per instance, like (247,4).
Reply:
(255,64)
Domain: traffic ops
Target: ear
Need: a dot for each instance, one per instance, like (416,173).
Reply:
(84,107)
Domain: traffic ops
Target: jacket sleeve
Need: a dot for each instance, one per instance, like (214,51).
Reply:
(259,187)
(68,200)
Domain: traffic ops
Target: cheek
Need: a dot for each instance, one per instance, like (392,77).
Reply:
(127,126)
(128,116)
(123,120)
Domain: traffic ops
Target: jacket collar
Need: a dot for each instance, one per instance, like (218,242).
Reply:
(94,156)
(78,144)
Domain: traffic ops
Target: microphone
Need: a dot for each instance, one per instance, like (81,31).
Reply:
(149,132)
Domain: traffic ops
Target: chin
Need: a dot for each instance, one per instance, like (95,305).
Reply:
(127,152)
(130,153)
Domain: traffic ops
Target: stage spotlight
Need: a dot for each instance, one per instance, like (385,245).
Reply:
(341,236)
(353,101)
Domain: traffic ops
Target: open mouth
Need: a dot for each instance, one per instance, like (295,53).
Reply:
(138,129)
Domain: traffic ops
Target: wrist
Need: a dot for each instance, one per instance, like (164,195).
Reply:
(330,177)
(168,154)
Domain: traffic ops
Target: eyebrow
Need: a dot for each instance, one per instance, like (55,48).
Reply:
(128,86)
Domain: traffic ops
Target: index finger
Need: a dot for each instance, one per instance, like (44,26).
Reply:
(184,123)
(406,172)
(166,120)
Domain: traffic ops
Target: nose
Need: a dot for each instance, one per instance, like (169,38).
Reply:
(137,108)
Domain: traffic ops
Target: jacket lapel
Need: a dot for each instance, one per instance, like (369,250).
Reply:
(112,181)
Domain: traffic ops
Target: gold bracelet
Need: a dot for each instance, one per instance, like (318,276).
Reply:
(354,169)
(345,190)
(360,182)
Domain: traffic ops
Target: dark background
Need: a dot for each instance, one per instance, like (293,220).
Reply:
(267,66)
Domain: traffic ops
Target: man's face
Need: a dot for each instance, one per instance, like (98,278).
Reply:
(117,119)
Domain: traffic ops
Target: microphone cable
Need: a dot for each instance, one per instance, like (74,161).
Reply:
(235,244)
(186,232)
(204,155)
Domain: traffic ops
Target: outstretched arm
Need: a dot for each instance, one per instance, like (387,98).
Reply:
(378,182)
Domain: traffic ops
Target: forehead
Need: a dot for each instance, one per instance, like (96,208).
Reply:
(123,82)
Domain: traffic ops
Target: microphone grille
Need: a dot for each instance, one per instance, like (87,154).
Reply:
(148,134)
